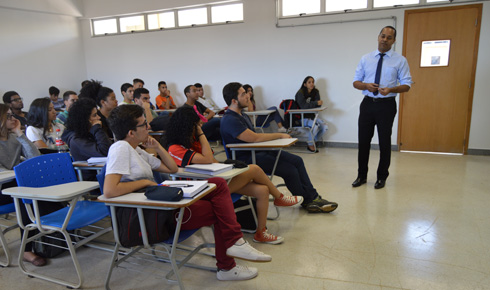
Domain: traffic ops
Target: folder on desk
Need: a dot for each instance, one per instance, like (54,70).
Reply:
(209,169)
(189,188)
(97,160)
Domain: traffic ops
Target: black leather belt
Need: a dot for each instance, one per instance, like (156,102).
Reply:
(379,99)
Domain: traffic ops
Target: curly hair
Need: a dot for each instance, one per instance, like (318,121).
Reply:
(90,90)
(181,128)
(39,114)
(79,118)
(3,119)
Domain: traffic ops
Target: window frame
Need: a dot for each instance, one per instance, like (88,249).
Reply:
(175,11)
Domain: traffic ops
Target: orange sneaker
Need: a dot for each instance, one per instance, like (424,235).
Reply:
(287,200)
(264,237)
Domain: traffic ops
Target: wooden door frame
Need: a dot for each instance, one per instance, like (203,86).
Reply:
(479,7)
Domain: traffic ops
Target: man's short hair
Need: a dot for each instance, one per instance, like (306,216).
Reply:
(390,27)
(54,91)
(198,85)
(123,118)
(125,87)
(187,90)
(7,97)
(138,92)
(161,83)
(102,94)
(230,92)
(67,95)
(138,81)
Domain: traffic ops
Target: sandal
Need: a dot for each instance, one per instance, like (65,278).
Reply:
(37,261)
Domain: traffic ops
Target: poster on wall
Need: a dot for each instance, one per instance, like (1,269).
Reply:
(435,53)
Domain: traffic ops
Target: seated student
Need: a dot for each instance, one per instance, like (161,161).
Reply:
(13,99)
(15,145)
(210,128)
(308,97)
(142,99)
(58,104)
(42,128)
(127,91)
(188,145)
(69,98)
(237,128)
(129,168)
(276,116)
(84,135)
(106,100)
(139,84)
(164,100)
(207,102)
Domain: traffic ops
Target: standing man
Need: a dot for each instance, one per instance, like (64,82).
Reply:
(380,75)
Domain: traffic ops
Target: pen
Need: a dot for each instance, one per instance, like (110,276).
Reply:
(178,185)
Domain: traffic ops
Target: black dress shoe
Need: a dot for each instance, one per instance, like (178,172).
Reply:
(358,182)
(379,184)
(311,150)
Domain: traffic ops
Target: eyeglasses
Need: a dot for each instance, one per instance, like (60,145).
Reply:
(16,100)
(145,124)
(10,116)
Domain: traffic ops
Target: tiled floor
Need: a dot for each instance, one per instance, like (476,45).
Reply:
(429,228)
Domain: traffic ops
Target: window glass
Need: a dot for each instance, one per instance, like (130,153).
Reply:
(335,5)
(193,16)
(165,20)
(102,27)
(387,3)
(295,7)
(223,13)
(132,23)
(429,1)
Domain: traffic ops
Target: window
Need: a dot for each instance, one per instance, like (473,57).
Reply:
(387,3)
(294,7)
(191,17)
(161,20)
(132,23)
(224,13)
(107,26)
(333,5)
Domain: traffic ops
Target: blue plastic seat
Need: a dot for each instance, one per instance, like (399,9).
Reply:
(49,170)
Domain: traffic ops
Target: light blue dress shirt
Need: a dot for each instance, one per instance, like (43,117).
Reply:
(394,72)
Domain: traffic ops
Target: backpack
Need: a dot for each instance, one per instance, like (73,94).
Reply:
(287,105)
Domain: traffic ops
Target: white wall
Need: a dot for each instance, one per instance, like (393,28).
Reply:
(273,60)
(38,50)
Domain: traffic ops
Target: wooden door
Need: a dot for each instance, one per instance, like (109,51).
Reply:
(435,114)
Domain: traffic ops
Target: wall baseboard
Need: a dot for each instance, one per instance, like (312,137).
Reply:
(483,152)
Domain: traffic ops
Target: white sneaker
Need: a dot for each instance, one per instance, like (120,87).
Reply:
(247,252)
(282,130)
(237,273)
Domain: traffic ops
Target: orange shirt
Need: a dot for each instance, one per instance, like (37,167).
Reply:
(162,101)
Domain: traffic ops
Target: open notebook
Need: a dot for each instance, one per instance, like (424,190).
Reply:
(190,188)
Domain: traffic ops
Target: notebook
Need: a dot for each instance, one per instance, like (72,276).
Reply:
(97,160)
(189,188)
(209,169)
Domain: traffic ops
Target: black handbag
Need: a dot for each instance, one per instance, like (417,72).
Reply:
(164,193)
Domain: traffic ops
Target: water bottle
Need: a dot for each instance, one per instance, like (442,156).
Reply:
(60,145)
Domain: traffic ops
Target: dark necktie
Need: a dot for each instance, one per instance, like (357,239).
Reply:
(377,76)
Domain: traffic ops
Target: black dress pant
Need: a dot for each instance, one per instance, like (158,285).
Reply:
(379,113)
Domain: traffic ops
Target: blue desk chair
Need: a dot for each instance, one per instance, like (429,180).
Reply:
(119,258)
(5,210)
(48,170)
